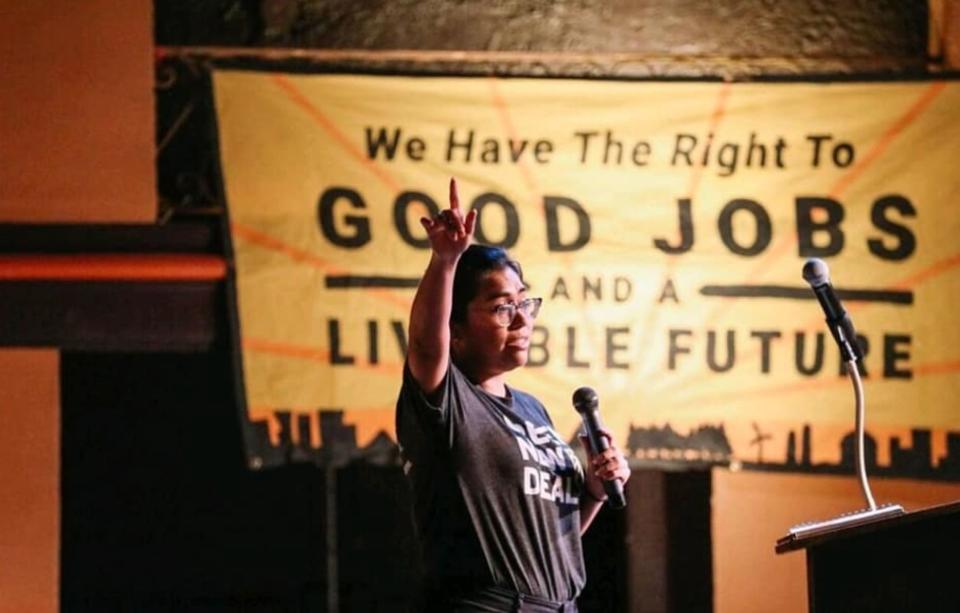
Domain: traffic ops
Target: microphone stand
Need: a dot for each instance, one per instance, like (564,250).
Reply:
(858,458)
(856,518)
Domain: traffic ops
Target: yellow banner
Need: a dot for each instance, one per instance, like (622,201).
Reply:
(664,224)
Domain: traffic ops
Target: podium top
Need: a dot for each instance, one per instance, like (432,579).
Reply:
(792,542)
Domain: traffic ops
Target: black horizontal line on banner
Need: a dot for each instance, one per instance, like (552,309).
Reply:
(360,281)
(805,293)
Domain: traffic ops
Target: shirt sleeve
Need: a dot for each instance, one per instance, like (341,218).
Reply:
(427,411)
(426,425)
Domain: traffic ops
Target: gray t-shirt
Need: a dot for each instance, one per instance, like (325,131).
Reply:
(496,490)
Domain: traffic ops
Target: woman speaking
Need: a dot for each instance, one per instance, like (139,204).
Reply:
(500,500)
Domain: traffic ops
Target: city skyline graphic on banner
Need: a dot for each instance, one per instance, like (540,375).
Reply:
(293,438)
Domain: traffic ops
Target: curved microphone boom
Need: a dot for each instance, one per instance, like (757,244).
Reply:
(587,404)
(816,273)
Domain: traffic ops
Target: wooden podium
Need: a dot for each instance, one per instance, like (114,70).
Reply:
(903,563)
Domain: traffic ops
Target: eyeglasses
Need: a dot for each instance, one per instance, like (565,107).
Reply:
(507,312)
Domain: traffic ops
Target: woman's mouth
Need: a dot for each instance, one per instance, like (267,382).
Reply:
(521,342)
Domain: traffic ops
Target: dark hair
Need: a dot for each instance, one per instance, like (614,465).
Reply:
(475,262)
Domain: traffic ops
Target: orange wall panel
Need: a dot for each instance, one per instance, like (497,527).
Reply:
(77,120)
(751,510)
(29,480)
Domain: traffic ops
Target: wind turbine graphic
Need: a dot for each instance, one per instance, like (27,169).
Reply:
(758,441)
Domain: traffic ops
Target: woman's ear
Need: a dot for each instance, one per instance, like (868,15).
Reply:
(456,337)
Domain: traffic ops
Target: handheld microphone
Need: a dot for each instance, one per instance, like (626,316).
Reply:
(587,404)
(816,273)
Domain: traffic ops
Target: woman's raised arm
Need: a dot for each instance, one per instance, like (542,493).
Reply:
(428,353)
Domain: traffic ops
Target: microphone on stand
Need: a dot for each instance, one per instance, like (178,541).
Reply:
(816,273)
(587,404)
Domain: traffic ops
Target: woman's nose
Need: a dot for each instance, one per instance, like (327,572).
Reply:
(521,319)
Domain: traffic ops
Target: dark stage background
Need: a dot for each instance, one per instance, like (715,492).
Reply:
(160,512)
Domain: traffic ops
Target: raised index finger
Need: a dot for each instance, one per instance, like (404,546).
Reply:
(454,196)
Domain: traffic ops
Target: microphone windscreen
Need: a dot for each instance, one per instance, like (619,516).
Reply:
(816,273)
(585,399)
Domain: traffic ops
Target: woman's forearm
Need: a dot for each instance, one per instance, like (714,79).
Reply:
(429,347)
(589,507)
